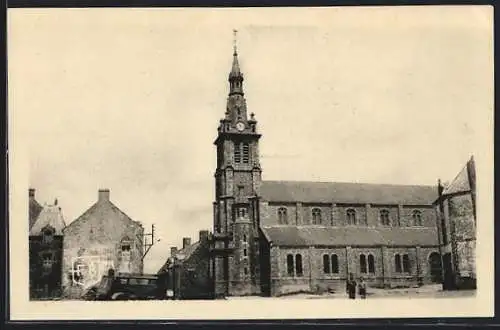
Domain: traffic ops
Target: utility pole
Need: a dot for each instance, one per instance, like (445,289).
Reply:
(148,243)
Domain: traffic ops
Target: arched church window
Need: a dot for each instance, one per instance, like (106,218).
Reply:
(316,216)
(298,265)
(385,218)
(406,263)
(289,265)
(417,218)
(326,264)
(282,216)
(371,264)
(397,263)
(351,217)
(335,264)
(362,264)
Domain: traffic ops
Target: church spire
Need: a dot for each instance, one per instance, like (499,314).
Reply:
(235,76)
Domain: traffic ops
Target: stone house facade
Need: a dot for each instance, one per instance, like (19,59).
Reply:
(277,237)
(456,208)
(45,252)
(103,237)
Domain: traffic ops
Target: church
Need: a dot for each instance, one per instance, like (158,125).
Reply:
(277,237)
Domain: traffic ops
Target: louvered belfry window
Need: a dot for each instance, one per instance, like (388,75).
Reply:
(246,153)
(237,153)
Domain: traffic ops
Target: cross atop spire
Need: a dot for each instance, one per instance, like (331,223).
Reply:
(235,76)
(235,32)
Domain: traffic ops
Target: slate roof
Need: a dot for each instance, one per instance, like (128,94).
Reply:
(461,182)
(34,211)
(347,192)
(95,210)
(51,215)
(187,252)
(344,236)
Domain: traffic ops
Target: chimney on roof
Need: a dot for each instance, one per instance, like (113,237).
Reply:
(440,188)
(203,236)
(103,195)
(186,241)
(173,251)
(31,193)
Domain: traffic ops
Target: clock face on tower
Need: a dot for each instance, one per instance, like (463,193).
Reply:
(240,126)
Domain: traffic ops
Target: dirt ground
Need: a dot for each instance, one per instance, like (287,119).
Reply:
(426,291)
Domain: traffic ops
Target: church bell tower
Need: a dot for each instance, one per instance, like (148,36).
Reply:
(235,253)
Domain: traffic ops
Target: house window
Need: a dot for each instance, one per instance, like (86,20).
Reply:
(362,263)
(417,218)
(406,264)
(237,153)
(47,261)
(289,265)
(326,264)
(371,264)
(397,263)
(351,217)
(385,218)
(282,216)
(246,153)
(47,235)
(298,265)
(335,264)
(316,216)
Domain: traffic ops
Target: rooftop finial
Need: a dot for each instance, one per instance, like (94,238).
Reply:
(235,32)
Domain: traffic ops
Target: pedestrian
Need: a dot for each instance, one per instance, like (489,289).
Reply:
(351,286)
(362,288)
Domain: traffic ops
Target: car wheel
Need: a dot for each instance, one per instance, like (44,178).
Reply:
(119,296)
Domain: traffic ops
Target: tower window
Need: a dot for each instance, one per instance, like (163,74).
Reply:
(237,153)
(245,252)
(282,216)
(245,270)
(316,216)
(351,217)
(242,212)
(246,153)
(385,218)
(417,218)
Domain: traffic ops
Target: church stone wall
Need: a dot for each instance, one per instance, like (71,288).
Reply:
(314,279)
(336,214)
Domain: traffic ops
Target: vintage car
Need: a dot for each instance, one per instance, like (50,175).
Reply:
(126,287)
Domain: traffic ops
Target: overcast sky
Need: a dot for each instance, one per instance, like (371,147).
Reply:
(130,100)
